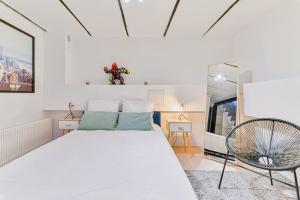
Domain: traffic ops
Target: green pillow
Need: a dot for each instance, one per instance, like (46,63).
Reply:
(98,121)
(135,121)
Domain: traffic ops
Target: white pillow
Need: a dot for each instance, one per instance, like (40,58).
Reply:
(136,106)
(104,105)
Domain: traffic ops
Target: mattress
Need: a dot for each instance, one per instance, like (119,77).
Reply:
(102,165)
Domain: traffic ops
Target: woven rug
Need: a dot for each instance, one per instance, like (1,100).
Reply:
(239,186)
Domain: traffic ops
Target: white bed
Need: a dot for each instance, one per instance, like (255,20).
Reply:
(98,165)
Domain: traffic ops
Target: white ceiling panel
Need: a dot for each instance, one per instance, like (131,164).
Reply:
(50,14)
(145,18)
(102,17)
(194,17)
(221,90)
(148,18)
(229,72)
(242,16)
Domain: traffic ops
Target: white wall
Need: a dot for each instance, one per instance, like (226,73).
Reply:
(158,61)
(22,108)
(270,45)
(179,67)
(275,99)
(182,82)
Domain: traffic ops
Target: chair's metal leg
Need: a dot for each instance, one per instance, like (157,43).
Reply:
(296,184)
(223,170)
(270,173)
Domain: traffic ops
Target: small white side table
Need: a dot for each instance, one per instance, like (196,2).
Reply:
(67,125)
(175,126)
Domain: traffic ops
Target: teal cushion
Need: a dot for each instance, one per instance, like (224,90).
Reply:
(98,121)
(135,121)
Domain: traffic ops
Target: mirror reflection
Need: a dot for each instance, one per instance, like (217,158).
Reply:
(221,104)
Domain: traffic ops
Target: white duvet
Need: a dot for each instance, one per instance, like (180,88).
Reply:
(98,165)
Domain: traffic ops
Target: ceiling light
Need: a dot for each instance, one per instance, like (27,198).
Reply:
(127,1)
(220,77)
(141,1)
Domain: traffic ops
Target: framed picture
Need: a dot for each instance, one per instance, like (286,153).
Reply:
(16,59)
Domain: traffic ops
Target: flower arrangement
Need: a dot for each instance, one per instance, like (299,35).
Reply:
(71,106)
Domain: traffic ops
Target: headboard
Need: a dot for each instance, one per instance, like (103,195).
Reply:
(157,118)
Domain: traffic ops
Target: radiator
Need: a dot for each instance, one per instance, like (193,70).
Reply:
(17,141)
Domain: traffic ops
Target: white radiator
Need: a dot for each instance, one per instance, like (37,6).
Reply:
(17,141)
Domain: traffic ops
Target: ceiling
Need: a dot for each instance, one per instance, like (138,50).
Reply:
(103,18)
(220,90)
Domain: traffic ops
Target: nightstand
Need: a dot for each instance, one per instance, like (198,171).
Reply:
(67,125)
(175,126)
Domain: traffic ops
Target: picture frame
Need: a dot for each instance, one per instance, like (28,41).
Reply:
(17,60)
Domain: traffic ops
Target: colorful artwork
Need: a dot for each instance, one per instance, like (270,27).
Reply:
(116,74)
(16,59)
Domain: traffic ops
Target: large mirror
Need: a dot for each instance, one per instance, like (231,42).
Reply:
(221,106)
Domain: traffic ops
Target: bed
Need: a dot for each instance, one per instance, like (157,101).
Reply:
(89,165)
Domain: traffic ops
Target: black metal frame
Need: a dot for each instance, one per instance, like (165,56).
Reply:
(76,18)
(293,169)
(271,178)
(171,17)
(123,17)
(22,15)
(33,57)
(217,154)
(223,15)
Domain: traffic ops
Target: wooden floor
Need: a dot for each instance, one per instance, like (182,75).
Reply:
(194,159)
(189,150)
